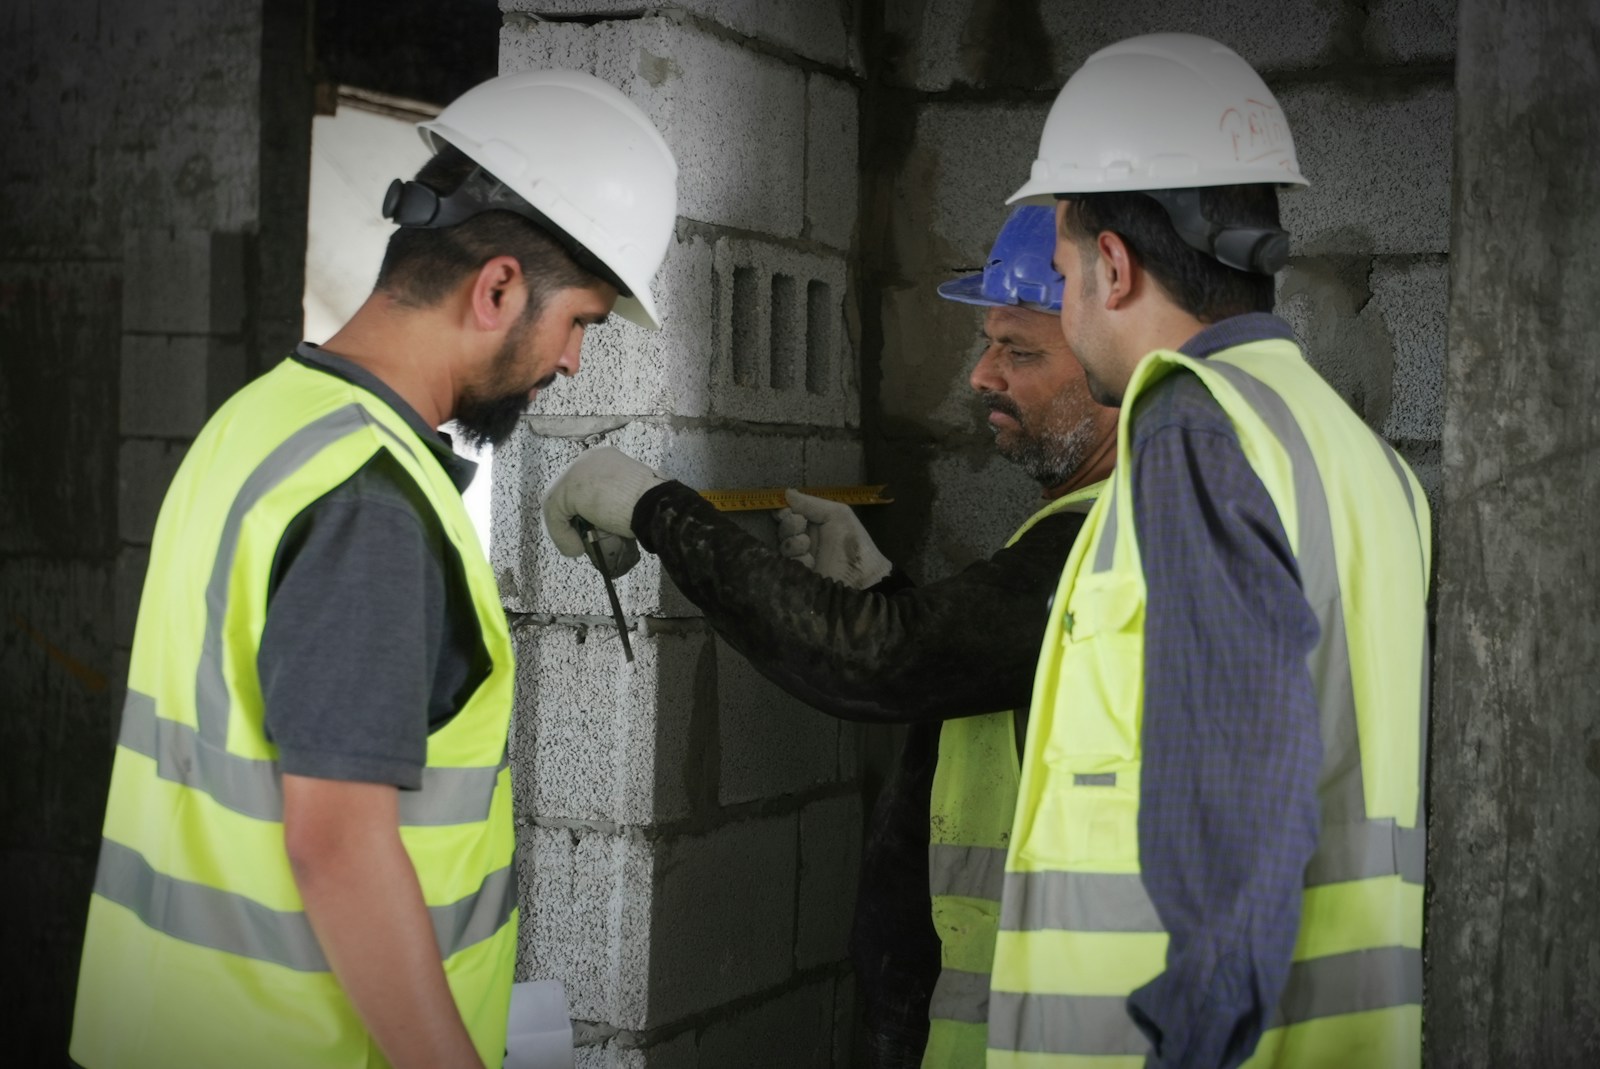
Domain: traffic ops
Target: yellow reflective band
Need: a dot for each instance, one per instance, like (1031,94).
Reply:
(1077,963)
(1345,917)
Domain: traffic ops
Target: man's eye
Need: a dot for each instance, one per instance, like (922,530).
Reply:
(1023,356)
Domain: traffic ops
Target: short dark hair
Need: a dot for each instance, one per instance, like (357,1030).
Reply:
(1201,285)
(422,265)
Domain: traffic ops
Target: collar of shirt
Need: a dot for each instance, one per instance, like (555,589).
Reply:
(459,468)
(1236,330)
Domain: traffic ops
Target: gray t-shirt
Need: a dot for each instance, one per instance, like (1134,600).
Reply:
(371,640)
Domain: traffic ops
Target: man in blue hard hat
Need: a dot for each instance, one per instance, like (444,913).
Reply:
(870,646)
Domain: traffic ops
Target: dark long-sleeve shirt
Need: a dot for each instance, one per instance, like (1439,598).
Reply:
(1228,808)
(958,647)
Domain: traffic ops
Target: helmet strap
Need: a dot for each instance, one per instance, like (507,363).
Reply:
(412,204)
(1259,250)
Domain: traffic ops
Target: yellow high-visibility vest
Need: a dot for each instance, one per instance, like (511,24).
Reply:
(198,950)
(1078,932)
(973,801)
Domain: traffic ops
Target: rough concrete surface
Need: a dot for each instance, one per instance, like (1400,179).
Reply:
(792,1031)
(722,922)
(162,392)
(832,166)
(830,859)
(1379,166)
(144,471)
(1414,300)
(586,899)
(816,29)
(1411,31)
(771,744)
(734,118)
(1032,45)
(600,739)
(622,1052)
(1513,965)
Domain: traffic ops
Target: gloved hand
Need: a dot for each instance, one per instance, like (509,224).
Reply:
(602,485)
(834,539)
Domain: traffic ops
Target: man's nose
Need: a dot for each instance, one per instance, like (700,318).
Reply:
(986,377)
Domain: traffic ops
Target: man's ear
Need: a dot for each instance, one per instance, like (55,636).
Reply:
(1117,266)
(498,294)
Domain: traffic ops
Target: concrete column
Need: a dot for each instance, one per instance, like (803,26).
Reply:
(688,833)
(1514,831)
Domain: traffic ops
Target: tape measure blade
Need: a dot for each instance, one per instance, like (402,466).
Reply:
(750,499)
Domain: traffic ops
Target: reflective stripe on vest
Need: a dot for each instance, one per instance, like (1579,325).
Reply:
(1364,881)
(198,950)
(973,797)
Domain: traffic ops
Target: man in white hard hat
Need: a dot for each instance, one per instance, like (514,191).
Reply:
(951,658)
(307,854)
(1218,852)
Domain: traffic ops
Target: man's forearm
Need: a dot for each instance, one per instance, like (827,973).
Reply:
(365,904)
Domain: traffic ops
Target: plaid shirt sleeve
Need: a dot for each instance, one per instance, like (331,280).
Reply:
(1228,808)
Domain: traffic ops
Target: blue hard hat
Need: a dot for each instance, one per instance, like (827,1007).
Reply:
(1018,271)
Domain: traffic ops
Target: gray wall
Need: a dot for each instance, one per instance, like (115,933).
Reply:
(1514,840)
(150,251)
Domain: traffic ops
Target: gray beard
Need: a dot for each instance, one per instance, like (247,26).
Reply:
(1051,459)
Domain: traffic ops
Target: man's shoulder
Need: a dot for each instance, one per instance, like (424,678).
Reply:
(1179,401)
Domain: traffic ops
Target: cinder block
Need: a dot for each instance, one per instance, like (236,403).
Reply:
(628,370)
(620,1052)
(1411,31)
(166,282)
(979,501)
(772,744)
(812,28)
(734,119)
(145,467)
(535,578)
(930,348)
(844,1013)
(830,863)
(586,898)
(722,924)
(965,160)
(1342,329)
(132,563)
(1379,170)
(601,739)
(1414,299)
(164,385)
(832,126)
(964,42)
(783,352)
(833,461)
(794,1030)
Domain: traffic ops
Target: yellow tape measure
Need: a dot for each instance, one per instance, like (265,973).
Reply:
(771,497)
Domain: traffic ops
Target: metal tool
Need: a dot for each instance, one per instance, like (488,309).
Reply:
(591,545)
(771,497)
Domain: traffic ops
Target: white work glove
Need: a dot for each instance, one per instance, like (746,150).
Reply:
(602,485)
(827,537)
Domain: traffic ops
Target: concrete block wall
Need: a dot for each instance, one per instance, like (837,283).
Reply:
(152,205)
(688,834)
(955,100)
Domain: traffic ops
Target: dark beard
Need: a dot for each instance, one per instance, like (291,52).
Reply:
(489,420)
(490,417)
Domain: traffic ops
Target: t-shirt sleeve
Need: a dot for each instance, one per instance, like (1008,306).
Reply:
(347,656)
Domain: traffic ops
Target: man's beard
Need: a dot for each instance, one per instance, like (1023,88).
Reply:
(1050,456)
(489,415)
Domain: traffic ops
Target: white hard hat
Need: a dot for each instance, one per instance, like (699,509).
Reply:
(1163,111)
(585,158)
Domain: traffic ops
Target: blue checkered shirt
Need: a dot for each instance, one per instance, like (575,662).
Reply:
(1228,803)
